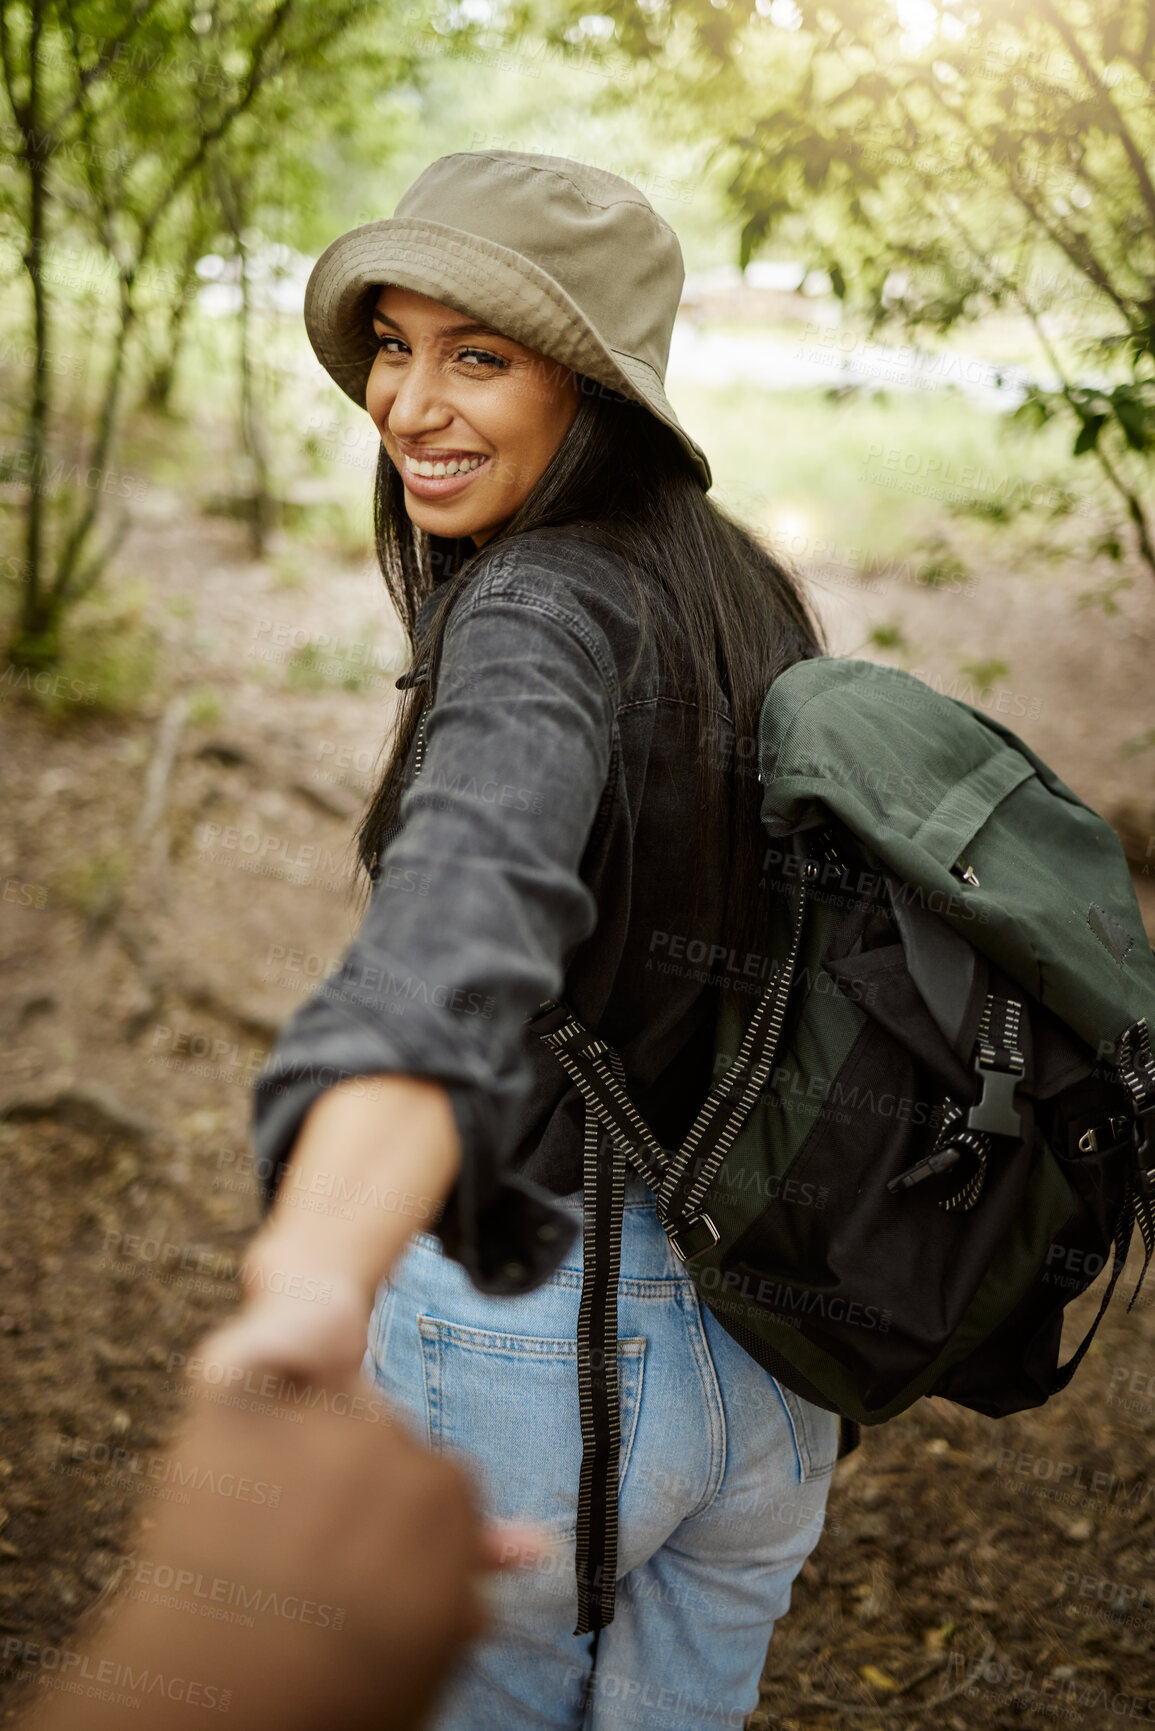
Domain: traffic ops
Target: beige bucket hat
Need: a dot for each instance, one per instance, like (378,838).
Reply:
(563,257)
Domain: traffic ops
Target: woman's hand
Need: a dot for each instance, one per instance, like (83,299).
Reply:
(311,1325)
(372,1164)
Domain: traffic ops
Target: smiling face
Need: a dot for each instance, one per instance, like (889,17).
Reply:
(469,417)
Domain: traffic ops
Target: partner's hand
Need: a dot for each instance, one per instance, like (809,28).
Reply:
(326,1569)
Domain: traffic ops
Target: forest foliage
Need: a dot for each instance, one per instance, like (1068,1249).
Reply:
(936,159)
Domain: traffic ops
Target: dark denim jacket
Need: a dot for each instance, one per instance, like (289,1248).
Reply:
(546,849)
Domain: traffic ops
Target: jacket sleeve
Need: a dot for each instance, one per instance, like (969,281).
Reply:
(477,908)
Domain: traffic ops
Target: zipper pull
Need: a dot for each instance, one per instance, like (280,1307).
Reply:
(416,676)
(926,1168)
(419,756)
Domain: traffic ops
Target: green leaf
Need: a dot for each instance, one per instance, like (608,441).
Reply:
(751,234)
(1088,434)
(1134,417)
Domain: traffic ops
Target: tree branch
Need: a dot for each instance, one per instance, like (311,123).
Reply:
(981,257)
(258,72)
(19,109)
(1007,283)
(1134,154)
(83,525)
(87,577)
(103,61)
(257,76)
(1080,255)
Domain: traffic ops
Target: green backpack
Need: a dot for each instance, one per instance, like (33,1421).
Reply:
(938,1122)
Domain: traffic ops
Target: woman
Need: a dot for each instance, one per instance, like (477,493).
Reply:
(568,815)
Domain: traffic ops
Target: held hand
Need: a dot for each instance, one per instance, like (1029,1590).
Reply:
(311,1326)
(329,1567)
(369,1521)
(311,1274)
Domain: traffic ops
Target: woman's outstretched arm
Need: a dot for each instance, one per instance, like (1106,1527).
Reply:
(373,1163)
(479,907)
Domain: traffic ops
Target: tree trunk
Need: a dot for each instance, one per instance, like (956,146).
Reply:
(35,642)
(157,393)
(252,425)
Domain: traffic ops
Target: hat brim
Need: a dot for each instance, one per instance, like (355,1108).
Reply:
(476,277)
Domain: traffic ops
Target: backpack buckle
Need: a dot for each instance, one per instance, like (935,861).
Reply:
(994,1111)
(676,1233)
(1088,1142)
(550,1015)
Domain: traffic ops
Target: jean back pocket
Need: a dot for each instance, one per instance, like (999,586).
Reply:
(509,1404)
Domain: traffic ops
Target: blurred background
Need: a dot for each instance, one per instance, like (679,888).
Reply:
(917,340)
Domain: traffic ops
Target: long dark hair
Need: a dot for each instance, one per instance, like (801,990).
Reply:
(624,476)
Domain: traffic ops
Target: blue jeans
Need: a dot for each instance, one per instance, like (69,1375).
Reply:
(723,1480)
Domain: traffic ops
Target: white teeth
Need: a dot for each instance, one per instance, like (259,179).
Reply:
(455,466)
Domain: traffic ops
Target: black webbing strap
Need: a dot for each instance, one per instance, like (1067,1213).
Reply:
(1123,1227)
(729,1103)
(1000,1066)
(1135,1063)
(603,1198)
(597,1071)
(998,1062)
(999,1034)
